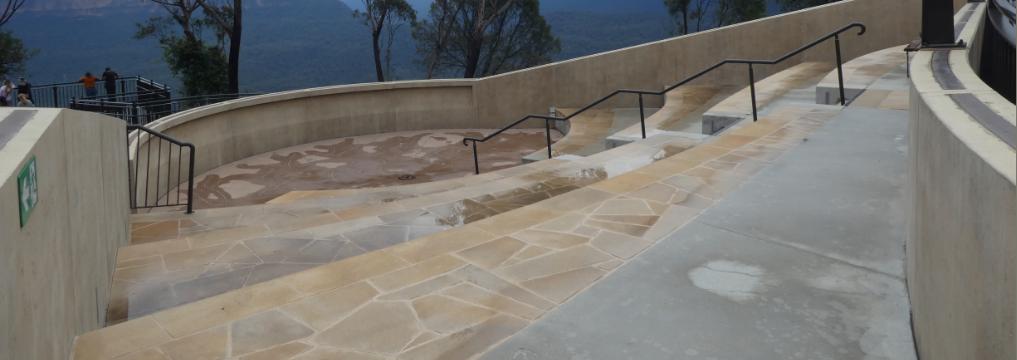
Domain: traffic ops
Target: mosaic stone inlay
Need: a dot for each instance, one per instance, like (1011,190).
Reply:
(362,161)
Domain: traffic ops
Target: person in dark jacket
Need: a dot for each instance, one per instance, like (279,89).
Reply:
(24,87)
(109,79)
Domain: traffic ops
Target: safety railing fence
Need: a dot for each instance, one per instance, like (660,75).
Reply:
(641,93)
(127,89)
(159,169)
(144,112)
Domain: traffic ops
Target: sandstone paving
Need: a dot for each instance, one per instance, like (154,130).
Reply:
(234,249)
(455,293)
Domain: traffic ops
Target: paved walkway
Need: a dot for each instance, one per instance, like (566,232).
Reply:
(804,261)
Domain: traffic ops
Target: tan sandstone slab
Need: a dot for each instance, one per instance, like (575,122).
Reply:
(322,310)
(209,344)
(379,327)
(445,315)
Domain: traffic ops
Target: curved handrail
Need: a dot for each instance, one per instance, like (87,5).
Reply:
(547,119)
(133,186)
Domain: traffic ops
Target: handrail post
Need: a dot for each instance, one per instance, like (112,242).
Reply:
(752,89)
(840,70)
(547,132)
(190,182)
(642,116)
(476,163)
(56,103)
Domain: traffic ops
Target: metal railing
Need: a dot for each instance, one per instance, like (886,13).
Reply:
(997,67)
(640,93)
(127,89)
(152,181)
(144,112)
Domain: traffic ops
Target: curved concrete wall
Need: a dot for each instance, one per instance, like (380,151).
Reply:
(55,271)
(962,246)
(224,133)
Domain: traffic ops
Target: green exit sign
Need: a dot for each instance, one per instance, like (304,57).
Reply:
(28,190)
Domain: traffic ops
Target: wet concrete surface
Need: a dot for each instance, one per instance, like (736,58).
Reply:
(363,161)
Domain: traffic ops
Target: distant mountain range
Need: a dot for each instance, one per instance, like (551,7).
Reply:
(290,44)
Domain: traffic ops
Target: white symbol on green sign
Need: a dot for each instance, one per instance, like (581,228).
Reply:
(28,191)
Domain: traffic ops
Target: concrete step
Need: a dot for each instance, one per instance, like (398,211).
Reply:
(859,75)
(221,250)
(739,105)
(455,293)
(585,133)
(681,114)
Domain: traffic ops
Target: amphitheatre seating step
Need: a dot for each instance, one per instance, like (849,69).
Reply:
(585,133)
(242,248)
(149,227)
(859,75)
(455,293)
(739,105)
(682,112)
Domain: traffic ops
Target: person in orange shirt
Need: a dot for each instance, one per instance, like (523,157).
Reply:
(89,82)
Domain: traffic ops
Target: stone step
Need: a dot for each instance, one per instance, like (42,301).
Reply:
(739,105)
(235,250)
(859,75)
(682,113)
(455,293)
(586,132)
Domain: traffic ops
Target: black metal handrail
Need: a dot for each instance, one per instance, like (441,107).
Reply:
(642,115)
(144,199)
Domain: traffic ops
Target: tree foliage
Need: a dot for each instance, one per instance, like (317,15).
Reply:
(735,11)
(688,15)
(384,17)
(227,18)
(484,37)
(196,58)
(13,54)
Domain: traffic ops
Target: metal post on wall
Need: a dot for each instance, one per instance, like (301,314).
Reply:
(937,24)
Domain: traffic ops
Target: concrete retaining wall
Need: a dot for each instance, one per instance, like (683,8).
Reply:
(962,245)
(229,132)
(55,272)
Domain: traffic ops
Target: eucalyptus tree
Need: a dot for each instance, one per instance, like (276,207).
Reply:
(484,37)
(13,53)
(379,16)
(686,12)
(227,17)
(196,58)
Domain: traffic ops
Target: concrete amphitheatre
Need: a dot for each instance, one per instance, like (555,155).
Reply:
(719,220)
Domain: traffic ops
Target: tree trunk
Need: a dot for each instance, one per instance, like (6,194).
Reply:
(376,42)
(685,20)
(235,36)
(473,57)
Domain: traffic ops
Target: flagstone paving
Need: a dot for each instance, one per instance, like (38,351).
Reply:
(183,260)
(455,293)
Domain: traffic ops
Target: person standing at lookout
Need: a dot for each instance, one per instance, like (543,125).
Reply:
(6,92)
(24,88)
(88,81)
(109,79)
